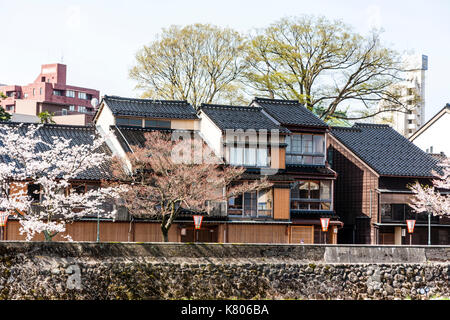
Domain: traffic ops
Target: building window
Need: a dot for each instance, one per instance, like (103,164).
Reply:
(34,91)
(40,91)
(248,156)
(400,212)
(82,109)
(252,204)
(128,122)
(82,95)
(70,93)
(10,107)
(25,95)
(72,108)
(78,188)
(311,195)
(157,124)
(305,149)
(58,92)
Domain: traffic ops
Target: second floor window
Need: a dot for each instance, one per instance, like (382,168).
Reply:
(58,92)
(305,149)
(248,156)
(82,95)
(129,122)
(311,195)
(252,204)
(400,212)
(157,124)
(70,93)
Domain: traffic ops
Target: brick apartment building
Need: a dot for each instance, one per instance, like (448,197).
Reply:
(50,92)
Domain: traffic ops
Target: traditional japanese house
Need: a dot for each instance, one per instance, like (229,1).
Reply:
(375,165)
(309,180)
(86,228)
(278,139)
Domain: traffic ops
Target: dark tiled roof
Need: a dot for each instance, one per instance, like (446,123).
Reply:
(309,169)
(237,117)
(135,136)
(291,173)
(167,109)
(385,150)
(314,214)
(77,134)
(128,136)
(289,112)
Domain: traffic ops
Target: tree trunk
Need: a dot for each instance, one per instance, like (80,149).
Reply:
(165,234)
(166,223)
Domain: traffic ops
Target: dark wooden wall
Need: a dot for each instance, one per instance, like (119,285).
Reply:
(355,195)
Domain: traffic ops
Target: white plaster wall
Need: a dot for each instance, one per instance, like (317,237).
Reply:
(437,136)
(103,124)
(105,119)
(211,134)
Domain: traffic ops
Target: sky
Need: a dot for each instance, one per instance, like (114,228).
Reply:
(98,40)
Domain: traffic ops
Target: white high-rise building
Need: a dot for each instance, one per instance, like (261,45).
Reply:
(407,121)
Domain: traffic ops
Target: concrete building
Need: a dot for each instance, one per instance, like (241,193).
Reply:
(50,92)
(412,89)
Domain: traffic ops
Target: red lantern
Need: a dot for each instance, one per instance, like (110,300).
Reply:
(410,224)
(325,223)
(3,218)
(198,221)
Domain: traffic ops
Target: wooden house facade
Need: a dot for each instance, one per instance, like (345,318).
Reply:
(375,166)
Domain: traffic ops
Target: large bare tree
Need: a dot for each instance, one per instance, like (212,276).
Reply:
(199,63)
(325,65)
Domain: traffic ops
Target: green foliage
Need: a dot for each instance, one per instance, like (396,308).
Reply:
(4,116)
(46,117)
(322,64)
(199,63)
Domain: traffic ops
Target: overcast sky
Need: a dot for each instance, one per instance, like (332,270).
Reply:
(98,39)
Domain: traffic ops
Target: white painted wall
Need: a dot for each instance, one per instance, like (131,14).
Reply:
(105,120)
(211,134)
(437,136)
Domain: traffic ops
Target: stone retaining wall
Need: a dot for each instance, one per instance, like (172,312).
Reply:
(84,270)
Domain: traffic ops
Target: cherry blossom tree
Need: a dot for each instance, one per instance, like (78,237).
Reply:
(26,158)
(428,198)
(167,176)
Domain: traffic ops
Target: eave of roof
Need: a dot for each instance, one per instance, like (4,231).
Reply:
(150,108)
(436,117)
(227,117)
(363,139)
(296,116)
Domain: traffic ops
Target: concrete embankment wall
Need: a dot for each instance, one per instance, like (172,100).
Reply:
(86,270)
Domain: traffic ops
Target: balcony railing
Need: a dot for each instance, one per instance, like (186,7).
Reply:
(68,113)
